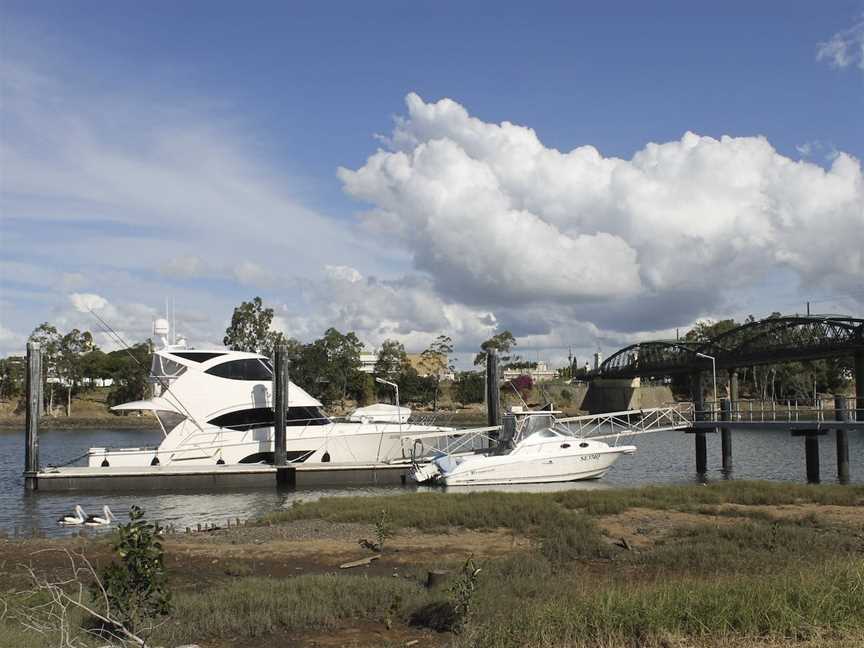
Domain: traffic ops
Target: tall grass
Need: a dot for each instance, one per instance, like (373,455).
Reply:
(792,604)
(522,511)
(255,607)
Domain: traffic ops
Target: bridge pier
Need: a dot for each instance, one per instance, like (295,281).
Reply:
(859,386)
(699,415)
(726,435)
(842,414)
(811,452)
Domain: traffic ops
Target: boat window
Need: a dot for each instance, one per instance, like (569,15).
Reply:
(547,433)
(246,369)
(165,368)
(197,356)
(256,417)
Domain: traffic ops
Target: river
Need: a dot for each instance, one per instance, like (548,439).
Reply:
(662,458)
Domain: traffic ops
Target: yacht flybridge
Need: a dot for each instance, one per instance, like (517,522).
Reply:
(215,407)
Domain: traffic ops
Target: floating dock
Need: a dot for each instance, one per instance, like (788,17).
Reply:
(176,478)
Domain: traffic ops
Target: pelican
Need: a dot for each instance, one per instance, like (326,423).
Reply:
(71,520)
(106,518)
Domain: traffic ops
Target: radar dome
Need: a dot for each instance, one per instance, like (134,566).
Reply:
(161,327)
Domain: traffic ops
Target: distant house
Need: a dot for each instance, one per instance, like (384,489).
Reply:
(539,372)
(367,361)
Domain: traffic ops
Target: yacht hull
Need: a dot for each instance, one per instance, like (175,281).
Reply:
(333,443)
(509,469)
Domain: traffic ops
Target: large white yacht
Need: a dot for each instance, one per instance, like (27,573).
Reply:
(215,406)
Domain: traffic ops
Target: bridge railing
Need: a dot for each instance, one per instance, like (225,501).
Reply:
(819,410)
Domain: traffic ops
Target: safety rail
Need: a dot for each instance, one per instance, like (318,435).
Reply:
(818,410)
(630,422)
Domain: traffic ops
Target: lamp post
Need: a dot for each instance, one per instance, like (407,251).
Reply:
(714,372)
(398,411)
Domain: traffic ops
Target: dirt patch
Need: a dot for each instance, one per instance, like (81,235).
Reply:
(845,516)
(642,528)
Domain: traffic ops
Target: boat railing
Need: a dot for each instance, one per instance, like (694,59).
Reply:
(461,442)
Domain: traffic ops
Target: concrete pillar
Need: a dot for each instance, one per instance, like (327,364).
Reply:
(699,415)
(726,435)
(733,392)
(859,386)
(842,414)
(31,422)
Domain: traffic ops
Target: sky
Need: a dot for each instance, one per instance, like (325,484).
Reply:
(585,176)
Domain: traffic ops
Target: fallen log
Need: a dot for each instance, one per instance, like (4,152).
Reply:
(359,563)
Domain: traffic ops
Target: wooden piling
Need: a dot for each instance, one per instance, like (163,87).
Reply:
(31,424)
(841,413)
(726,435)
(811,452)
(699,415)
(285,474)
(493,393)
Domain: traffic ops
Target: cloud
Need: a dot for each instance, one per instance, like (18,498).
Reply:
(86,302)
(845,48)
(494,217)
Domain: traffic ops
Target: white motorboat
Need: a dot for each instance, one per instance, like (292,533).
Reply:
(541,451)
(215,407)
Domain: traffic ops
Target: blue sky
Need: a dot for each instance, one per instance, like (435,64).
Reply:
(191,150)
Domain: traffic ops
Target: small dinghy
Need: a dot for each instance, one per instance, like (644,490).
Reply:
(540,452)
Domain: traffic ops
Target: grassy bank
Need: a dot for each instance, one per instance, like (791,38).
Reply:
(731,564)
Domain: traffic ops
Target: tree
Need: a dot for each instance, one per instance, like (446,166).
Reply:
(129,370)
(503,343)
(391,360)
(73,346)
(341,354)
(11,377)
(435,360)
(469,387)
(49,340)
(250,329)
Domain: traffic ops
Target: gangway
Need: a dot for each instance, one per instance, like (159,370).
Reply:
(630,422)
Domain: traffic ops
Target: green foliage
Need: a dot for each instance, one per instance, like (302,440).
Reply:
(129,369)
(12,377)
(435,361)
(329,368)
(135,586)
(469,387)
(392,361)
(250,329)
(462,593)
(383,529)
(503,342)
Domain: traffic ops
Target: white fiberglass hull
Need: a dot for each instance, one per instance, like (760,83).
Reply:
(332,443)
(518,469)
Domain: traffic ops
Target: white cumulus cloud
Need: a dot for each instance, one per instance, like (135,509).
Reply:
(495,216)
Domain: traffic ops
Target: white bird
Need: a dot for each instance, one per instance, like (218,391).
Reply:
(106,518)
(71,520)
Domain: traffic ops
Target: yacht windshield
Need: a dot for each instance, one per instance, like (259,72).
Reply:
(165,368)
(246,369)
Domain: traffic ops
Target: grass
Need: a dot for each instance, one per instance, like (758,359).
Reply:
(793,604)
(256,607)
(523,511)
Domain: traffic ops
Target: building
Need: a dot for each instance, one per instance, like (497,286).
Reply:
(598,360)
(540,372)
(368,360)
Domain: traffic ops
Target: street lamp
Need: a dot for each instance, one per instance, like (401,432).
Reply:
(398,412)
(714,372)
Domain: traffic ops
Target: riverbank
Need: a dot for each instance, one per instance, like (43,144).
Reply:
(730,564)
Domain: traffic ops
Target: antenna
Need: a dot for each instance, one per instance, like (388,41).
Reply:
(173,321)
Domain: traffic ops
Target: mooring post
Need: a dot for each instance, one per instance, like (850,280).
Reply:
(733,393)
(859,386)
(841,413)
(493,393)
(700,415)
(280,407)
(726,435)
(31,423)
(811,452)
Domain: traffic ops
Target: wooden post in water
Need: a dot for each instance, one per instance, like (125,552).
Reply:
(699,415)
(31,423)
(493,393)
(841,413)
(284,474)
(811,452)
(726,435)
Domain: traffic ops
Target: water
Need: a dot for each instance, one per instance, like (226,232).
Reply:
(662,458)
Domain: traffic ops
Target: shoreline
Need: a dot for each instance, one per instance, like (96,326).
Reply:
(624,566)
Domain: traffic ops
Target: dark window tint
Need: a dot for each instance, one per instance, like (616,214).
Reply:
(197,356)
(263,417)
(249,369)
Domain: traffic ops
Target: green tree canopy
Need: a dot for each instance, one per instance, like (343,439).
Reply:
(250,329)
(503,342)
